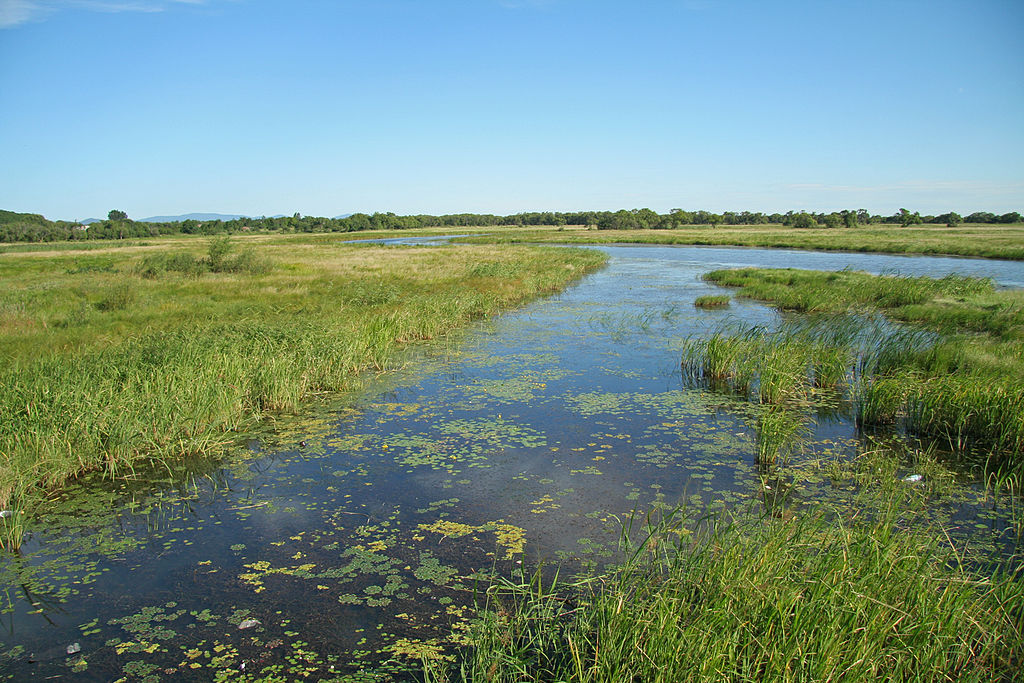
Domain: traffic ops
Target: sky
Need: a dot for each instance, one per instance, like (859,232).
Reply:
(327,107)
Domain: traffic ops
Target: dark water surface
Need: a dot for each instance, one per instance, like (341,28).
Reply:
(352,538)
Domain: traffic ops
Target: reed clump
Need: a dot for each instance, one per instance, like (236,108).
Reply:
(783,366)
(713,301)
(955,373)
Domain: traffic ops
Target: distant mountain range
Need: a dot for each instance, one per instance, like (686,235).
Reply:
(195,217)
(177,219)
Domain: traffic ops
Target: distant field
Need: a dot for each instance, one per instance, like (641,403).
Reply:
(988,241)
(978,240)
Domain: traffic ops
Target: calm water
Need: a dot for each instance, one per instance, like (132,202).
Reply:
(351,538)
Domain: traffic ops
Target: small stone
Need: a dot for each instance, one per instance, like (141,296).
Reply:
(74,648)
(248,623)
(912,478)
(6,513)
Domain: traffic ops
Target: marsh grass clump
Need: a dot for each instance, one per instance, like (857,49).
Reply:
(965,411)
(779,431)
(783,366)
(813,597)
(118,297)
(956,373)
(713,301)
(12,528)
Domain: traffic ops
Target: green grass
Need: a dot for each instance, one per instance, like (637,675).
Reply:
(988,241)
(743,598)
(956,373)
(109,363)
(713,301)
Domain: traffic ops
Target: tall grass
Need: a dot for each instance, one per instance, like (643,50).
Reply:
(779,430)
(188,360)
(748,599)
(956,374)
(712,301)
(780,366)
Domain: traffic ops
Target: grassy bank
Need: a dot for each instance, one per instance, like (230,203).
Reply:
(988,241)
(956,374)
(139,355)
(823,597)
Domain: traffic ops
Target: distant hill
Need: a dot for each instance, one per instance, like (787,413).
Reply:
(194,217)
(27,218)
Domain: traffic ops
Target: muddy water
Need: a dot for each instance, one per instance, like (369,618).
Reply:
(354,538)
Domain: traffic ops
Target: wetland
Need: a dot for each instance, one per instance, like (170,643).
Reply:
(355,536)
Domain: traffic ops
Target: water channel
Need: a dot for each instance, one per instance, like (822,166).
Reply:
(350,540)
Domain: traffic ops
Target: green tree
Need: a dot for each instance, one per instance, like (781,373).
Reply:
(678,217)
(954,219)
(907,219)
(116,215)
(804,220)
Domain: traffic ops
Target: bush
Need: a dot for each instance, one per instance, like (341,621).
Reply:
(156,265)
(216,261)
(217,254)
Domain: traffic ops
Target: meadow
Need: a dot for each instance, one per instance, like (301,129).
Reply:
(987,241)
(123,357)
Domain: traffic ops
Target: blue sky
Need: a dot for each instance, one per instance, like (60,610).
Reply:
(436,106)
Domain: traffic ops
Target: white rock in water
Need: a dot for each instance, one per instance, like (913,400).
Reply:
(248,623)
(912,478)
(74,648)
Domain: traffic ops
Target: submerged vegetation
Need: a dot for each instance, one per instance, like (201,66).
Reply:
(127,357)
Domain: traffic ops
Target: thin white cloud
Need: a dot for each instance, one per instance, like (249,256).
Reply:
(18,12)
(15,12)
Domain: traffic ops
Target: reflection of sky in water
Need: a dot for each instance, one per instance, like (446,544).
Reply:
(556,419)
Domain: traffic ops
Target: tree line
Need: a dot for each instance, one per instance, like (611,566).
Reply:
(27,227)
